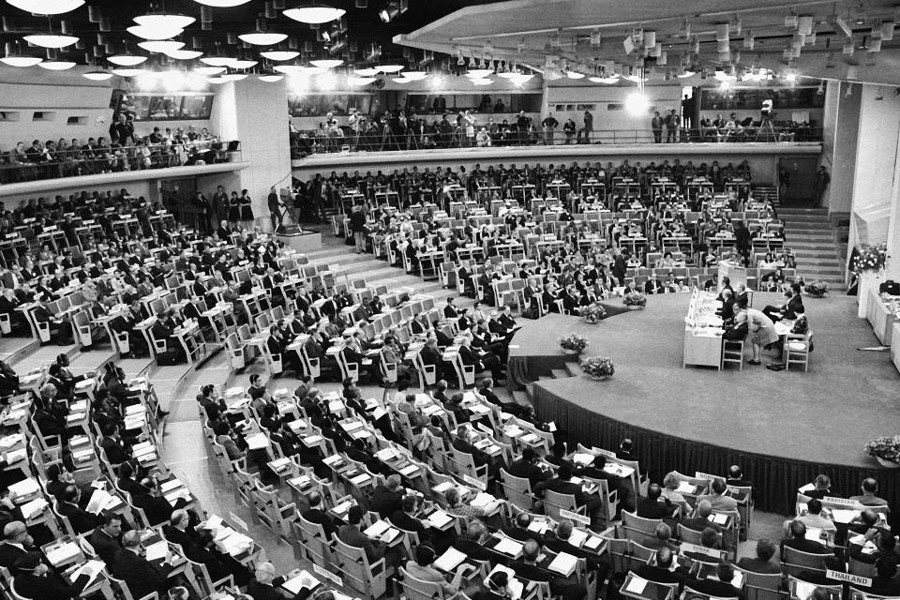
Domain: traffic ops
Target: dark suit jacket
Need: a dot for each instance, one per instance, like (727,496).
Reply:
(653,509)
(756,565)
(115,452)
(9,554)
(352,536)
(523,535)
(532,472)
(157,508)
(658,574)
(29,585)
(473,550)
(805,545)
(714,588)
(182,538)
(320,517)
(385,502)
(81,520)
(106,547)
(558,545)
(405,522)
(141,576)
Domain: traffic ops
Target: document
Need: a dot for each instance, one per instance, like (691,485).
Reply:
(508,546)
(302,581)
(636,585)
(91,568)
(98,500)
(157,551)
(439,519)
(449,560)
(563,564)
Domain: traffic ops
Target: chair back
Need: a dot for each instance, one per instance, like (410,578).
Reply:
(554,502)
(761,586)
(794,562)
(517,490)
(637,528)
(799,589)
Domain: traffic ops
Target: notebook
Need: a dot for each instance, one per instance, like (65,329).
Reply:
(449,560)
(564,564)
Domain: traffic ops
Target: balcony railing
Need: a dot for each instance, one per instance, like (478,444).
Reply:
(17,167)
(306,143)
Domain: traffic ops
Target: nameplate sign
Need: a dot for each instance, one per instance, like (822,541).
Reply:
(238,521)
(568,514)
(687,547)
(328,575)
(476,483)
(855,579)
(839,501)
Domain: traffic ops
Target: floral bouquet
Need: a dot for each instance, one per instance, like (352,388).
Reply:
(885,450)
(573,343)
(870,258)
(816,289)
(592,313)
(598,367)
(635,299)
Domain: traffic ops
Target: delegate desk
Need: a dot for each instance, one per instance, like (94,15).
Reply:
(882,313)
(703,331)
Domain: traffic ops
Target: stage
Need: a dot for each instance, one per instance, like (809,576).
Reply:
(782,427)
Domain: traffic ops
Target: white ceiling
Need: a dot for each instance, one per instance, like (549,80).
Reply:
(527,32)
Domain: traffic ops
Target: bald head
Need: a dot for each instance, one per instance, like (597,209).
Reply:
(704,509)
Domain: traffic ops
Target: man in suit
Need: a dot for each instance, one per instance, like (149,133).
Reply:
(264,585)
(106,539)
(142,576)
(351,535)
(176,532)
(16,542)
(869,497)
(406,520)
(116,452)
(527,568)
(42,315)
(80,520)
(563,484)
(315,514)
(472,545)
(700,520)
(155,507)
(526,468)
(718,588)
(798,541)
(557,455)
(822,487)
(719,501)
(34,580)
(560,543)
(660,539)
(450,311)
(660,573)
(387,498)
(650,507)
(519,530)
(765,550)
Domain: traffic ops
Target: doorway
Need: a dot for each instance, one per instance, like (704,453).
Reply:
(796,181)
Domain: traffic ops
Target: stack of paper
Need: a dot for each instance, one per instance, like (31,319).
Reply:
(157,551)
(302,581)
(510,547)
(483,500)
(24,488)
(582,458)
(449,560)
(439,519)
(99,499)
(564,564)
(63,553)
(343,507)
(33,508)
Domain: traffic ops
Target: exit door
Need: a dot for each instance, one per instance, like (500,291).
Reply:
(796,180)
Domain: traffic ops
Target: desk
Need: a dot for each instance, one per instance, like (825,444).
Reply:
(703,331)
(643,589)
(882,313)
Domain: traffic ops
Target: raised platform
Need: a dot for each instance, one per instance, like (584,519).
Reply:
(759,154)
(305,241)
(783,427)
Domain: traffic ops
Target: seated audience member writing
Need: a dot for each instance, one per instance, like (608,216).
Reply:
(718,500)
(526,468)
(763,563)
(661,572)
(388,497)
(797,540)
(813,518)
(142,576)
(528,569)
(563,484)
(721,587)
(352,535)
(423,568)
(265,585)
(35,581)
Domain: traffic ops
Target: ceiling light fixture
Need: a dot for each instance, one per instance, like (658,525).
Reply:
(479,73)
(234,76)
(315,14)
(389,68)
(270,78)
(161,46)
(126,60)
(217,80)
(366,72)
(604,80)
(150,33)
(217,61)
(209,70)
(184,54)
(327,63)
(279,55)
(263,38)
(129,72)
(97,75)
(50,40)
(46,7)
(574,75)
(288,69)
(222,3)
(637,104)
(415,75)
(163,20)
(482,81)
(15,58)
(242,64)
(56,65)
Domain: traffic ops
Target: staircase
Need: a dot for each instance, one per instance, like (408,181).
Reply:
(810,233)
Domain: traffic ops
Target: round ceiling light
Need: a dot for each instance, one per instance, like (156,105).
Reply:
(315,14)
(46,7)
(279,55)
(482,81)
(222,3)
(161,46)
(359,80)
(367,72)
(401,80)
(149,33)
(270,78)
(18,60)
(217,61)
(217,80)
(389,68)
(479,73)
(288,69)
(234,76)
(259,38)
(184,54)
(56,65)
(97,75)
(50,40)
(327,63)
(415,75)
(161,21)
(126,60)
(209,70)
(129,72)
(574,75)
(604,80)
(242,64)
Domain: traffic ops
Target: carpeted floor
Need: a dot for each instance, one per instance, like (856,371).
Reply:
(823,416)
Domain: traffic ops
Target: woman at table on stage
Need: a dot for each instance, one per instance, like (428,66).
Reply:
(761,329)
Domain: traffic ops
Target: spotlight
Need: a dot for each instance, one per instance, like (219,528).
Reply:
(637,104)
(393,10)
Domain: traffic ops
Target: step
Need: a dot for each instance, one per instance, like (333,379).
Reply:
(793,210)
(521,398)
(823,238)
(559,373)
(574,369)
(812,245)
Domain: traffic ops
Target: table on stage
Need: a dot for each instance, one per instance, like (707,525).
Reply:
(703,331)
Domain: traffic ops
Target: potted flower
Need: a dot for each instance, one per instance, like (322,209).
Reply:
(573,343)
(593,313)
(886,451)
(635,300)
(870,258)
(599,368)
(868,265)
(816,289)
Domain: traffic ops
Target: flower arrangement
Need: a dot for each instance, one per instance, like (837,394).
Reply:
(573,343)
(635,299)
(593,313)
(816,289)
(870,258)
(885,449)
(598,367)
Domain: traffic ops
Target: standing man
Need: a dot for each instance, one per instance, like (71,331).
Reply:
(823,178)
(656,124)
(584,136)
(687,112)
(569,129)
(549,124)
(274,209)
(220,204)
(358,227)
(673,122)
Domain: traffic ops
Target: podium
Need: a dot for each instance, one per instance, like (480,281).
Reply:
(735,274)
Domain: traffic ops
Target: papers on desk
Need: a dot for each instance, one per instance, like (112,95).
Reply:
(564,564)
(840,515)
(157,551)
(483,500)
(302,581)
(8,441)
(516,587)
(636,585)
(686,488)
(257,441)
(101,500)
(331,460)
(63,553)
(593,543)
(24,488)
(232,542)
(807,488)
(299,482)
(719,518)
(509,547)
(33,508)
(868,547)
(91,568)
(16,456)
(582,458)
(449,560)
(578,537)
(438,519)
(360,479)
(280,465)
(342,508)
(383,531)
(386,454)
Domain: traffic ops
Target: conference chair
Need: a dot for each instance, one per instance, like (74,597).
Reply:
(517,491)
(794,562)
(733,353)
(637,528)
(368,579)
(801,590)
(761,586)
(857,567)
(666,591)
(418,589)
(797,348)
(312,543)
(554,502)
(858,594)
(626,555)
(463,465)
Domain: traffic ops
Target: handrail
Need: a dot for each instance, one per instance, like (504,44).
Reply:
(315,142)
(56,164)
